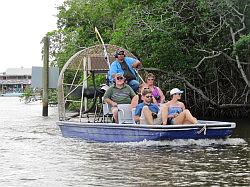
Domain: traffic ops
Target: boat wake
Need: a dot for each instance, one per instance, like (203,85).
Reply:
(189,142)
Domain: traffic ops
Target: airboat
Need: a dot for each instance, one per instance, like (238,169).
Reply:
(83,115)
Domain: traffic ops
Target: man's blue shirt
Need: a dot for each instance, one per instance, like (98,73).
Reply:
(115,67)
(152,107)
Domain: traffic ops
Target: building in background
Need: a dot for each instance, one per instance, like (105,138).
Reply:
(15,80)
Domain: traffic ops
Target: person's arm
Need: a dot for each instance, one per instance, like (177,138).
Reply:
(177,114)
(155,101)
(134,101)
(136,118)
(113,70)
(107,97)
(164,114)
(132,62)
(161,95)
(131,92)
(183,106)
(110,102)
(137,113)
(137,64)
(173,115)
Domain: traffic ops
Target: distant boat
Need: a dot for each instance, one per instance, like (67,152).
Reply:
(13,94)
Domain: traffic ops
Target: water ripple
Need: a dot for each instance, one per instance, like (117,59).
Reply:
(33,153)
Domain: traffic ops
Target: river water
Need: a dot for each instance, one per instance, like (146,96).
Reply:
(33,153)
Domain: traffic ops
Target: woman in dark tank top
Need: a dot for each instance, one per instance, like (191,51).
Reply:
(138,98)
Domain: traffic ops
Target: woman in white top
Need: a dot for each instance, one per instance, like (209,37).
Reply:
(174,112)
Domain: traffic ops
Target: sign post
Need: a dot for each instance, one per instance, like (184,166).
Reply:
(45,74)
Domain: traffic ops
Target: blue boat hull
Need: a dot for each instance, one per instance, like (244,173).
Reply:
(110,132)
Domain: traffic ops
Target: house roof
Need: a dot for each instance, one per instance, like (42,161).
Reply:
(23,81)
(18,71)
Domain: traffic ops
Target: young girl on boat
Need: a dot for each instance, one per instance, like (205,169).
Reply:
(156,91)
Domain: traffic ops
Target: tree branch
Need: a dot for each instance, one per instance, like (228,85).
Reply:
(197,90)
(208,57)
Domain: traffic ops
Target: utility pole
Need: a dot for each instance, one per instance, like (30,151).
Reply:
(45,74)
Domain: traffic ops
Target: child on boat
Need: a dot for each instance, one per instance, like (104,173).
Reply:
(138,98)
(147,112)
(156,91)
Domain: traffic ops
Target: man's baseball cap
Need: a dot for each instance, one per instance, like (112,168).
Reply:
(120,52)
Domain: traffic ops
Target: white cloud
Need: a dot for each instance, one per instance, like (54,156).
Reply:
(23,25)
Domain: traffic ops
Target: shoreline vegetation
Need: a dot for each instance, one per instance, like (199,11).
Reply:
(202,47)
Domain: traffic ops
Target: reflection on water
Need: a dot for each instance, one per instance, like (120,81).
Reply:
(33,152)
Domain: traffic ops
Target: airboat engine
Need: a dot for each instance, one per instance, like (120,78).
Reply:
(90,92)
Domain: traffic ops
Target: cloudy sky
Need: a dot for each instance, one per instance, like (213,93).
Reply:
(23,25)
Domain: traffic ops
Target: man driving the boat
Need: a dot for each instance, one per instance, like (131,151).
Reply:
(118,93)
(125,65)
(147,112)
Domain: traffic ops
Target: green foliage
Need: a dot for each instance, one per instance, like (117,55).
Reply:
(52,96)
(73,106)
(27,92)
(242,47)
(167,34)
(28,95)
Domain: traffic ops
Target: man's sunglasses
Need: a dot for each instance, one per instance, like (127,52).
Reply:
(177,94)
(119,78)
(149,96)
(120,53)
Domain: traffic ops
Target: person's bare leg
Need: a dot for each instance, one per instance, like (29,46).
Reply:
(195,121)
(189,117)
(147,115)
(164,114)
(189,122)
(115,114)
(179,119)
(185,117)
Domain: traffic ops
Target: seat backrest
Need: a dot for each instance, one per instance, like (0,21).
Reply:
(106,109)
(125,114)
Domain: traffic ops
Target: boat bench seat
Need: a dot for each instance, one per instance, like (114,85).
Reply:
(125,114)
(107,113)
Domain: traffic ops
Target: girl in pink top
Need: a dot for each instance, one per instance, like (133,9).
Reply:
(156,91)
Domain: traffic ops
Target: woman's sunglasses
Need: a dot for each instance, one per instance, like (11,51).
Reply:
(149,96)
(150,79)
